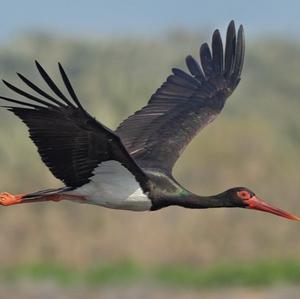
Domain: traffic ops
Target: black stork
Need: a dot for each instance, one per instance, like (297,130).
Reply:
(131,168)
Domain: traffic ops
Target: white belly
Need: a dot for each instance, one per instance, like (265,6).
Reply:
(113,186)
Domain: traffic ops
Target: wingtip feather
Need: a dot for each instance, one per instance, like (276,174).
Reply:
(69,86)
(206,59)
(38,65)
(217,51)
(230,49)
(194,67)
(240,54)
(231,24)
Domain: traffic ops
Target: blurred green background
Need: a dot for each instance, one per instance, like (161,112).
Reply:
(56,248)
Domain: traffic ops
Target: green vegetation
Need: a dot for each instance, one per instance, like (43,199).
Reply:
(263,273)
(252,274)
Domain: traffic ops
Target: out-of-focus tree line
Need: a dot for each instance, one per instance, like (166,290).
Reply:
(255,142)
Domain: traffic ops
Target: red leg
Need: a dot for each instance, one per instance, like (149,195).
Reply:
(62,196)
(7,199)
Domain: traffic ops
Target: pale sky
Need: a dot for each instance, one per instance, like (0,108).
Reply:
(100,17)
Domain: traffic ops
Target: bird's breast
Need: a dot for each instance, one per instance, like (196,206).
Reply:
(113,186)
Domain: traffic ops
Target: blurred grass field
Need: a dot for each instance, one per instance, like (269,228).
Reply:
(261,279)
(129,274)
(254,143)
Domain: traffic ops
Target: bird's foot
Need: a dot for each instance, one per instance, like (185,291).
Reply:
(7,199)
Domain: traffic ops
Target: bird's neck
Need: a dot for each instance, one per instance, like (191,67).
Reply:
(193,201)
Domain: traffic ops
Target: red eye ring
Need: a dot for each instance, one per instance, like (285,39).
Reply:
(244,195)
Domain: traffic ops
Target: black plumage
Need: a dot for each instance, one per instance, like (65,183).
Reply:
(157,134)
(70,142)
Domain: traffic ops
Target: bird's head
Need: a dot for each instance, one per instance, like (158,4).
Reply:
(245,198)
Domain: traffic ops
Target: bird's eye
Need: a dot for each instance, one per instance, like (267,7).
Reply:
(244,195)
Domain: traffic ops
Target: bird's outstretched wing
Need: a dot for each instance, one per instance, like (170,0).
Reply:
(70,142)
(157,134)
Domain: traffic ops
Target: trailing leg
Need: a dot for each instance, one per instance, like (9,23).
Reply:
(7,199)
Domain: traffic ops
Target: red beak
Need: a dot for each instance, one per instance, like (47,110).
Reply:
(257,204)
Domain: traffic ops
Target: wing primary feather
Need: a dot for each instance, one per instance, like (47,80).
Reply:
(185,103)
(240,54)
(184,75)
(179,81)
(51,84)
(206,59)
(217,51)
(27,95)
(69,86)
(20,102)
(71,143)
(38,90)
(230,49)
(194,68)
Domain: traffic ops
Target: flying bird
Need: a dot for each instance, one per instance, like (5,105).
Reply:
(131,168)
